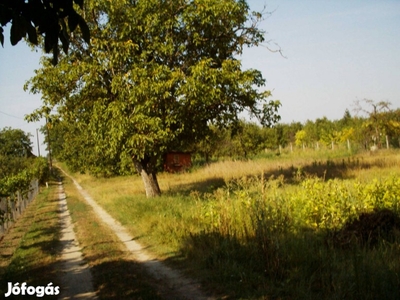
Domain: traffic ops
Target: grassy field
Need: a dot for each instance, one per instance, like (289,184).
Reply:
(317,225)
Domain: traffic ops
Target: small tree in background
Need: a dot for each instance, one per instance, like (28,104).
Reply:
(301,138)
(15,143)
(376,124)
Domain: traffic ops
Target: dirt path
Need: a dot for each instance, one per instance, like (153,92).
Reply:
(76,279)
(170,281)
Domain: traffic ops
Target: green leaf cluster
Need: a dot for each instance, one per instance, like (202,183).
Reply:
(15,143)
(48,19)
(19,179)
(13,183)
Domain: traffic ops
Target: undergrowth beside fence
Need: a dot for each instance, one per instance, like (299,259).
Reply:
(29,252)
(19,186)
(13,206)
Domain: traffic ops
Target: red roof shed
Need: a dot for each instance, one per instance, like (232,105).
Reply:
(177,161)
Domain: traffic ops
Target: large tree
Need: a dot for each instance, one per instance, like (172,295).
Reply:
(156,75)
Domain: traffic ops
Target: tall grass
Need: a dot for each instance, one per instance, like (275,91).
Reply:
(266,241)
(281,228)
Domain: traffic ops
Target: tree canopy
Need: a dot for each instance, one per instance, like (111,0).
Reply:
(157,74)
(15,152)
(18,166)
(15,143)
(52,19)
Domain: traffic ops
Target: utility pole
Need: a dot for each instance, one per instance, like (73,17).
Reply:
(48,142)
(37,137)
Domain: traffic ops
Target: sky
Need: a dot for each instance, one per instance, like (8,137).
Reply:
(334,52)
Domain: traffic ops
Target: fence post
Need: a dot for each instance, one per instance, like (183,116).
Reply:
(14,205)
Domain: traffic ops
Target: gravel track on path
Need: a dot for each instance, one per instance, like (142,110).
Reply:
(76,278)
(171,283)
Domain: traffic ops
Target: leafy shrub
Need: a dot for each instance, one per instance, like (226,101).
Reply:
(40,169)
(19,178)
(13,183)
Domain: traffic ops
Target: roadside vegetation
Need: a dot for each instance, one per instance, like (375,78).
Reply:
(306,226)
(294,223)
(18,166)
(30,249)
(290,227)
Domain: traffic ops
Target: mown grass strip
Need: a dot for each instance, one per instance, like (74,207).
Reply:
(30,249)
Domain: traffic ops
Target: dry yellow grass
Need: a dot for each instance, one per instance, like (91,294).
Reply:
(107,190)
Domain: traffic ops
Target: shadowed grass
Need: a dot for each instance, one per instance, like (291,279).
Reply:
(29,251)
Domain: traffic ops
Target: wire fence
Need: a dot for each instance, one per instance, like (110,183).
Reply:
(12,207)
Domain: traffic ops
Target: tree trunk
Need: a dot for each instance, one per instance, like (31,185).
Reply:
(147,169)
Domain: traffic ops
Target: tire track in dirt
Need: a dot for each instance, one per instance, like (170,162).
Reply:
(169,280)
(76,278)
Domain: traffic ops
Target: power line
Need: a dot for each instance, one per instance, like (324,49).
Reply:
(10,115)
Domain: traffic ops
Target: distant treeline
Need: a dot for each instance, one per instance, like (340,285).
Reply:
(379,128)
